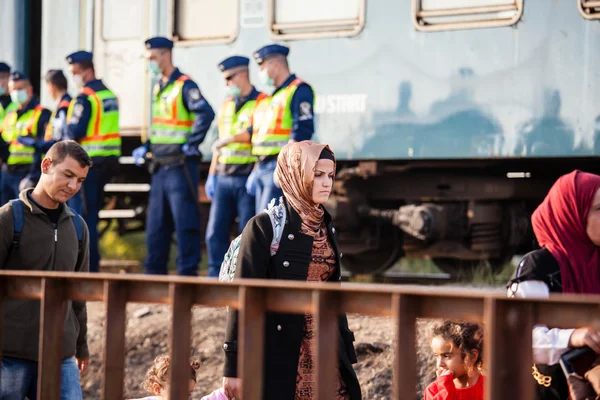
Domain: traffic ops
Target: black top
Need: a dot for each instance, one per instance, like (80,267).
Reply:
(540,265)
(52,213)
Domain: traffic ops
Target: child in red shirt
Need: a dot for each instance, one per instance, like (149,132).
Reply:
(458,347)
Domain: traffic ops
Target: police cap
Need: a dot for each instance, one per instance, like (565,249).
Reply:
(232,62)
(263,53)
(79,57)
(159,42)
(4,67)
(18,76)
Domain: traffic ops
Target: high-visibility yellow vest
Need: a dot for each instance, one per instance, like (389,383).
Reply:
(102,138)
(272,121)
(24,125)
(171,121)
(232,123)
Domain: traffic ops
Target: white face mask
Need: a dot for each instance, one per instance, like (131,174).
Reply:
(153,68)
(266,79)
(78,79)
(19,96)
(233,91)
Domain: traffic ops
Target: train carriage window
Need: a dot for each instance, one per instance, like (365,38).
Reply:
(293,19)
(206,21)
(441,15)
(122,20)
(589,9)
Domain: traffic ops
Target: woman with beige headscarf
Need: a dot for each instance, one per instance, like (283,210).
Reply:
(308,251)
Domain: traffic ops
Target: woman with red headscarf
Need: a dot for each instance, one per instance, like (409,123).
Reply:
(567,227)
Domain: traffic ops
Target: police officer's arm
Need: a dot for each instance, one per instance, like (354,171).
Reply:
(35,171)
(194,102)
(77,125)
(301,106)
(79,307)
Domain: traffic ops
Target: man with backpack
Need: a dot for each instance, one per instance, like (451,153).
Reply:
(39,232)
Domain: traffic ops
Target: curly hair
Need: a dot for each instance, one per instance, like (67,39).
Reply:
(158,373)
(465,336)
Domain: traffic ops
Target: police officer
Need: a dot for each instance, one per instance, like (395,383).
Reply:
(287,115)
(93,121)
(4,104)
(28,121)
(181,118)
(232,162)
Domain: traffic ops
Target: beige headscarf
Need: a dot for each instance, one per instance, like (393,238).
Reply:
(295,174)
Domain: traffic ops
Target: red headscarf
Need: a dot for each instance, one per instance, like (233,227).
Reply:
(559,224)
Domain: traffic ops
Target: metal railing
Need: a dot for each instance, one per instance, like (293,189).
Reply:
(507,344)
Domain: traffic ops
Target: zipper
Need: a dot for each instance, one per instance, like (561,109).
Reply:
(55,246)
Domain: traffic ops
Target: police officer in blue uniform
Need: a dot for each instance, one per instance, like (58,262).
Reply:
(27,119)
(275,73)
(181,117)
(232,162)
(78,128)
(4,102)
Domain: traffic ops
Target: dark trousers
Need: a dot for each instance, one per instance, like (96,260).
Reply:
(230,200)
(173,206)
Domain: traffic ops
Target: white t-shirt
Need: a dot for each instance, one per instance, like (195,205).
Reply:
(548,344)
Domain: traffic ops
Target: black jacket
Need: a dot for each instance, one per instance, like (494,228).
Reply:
(540,265)
(283,332)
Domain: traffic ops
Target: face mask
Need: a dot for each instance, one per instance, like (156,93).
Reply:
(19,96)
(265,78)
(78,79)
(233,91)
(2,91)
(153,68)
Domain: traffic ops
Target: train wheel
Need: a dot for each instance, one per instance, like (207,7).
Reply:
(377,260)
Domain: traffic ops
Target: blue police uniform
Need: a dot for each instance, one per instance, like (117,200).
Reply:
(104,168)
(12,175)
(260,181)
(230,197)
(173,201)
(4,102)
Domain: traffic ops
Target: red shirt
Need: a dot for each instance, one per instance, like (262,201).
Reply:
(443,389)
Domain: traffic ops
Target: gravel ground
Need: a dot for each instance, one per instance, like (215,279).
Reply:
(147,337)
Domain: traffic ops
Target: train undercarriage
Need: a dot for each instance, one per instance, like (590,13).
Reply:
(460,214)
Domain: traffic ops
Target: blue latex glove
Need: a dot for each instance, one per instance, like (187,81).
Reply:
(27,141)
(251,183)
(191,151)
(139,155)
(211,184)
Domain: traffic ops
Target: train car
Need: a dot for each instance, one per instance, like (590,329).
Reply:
(450,118)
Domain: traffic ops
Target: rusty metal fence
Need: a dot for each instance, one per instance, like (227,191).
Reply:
(508,324)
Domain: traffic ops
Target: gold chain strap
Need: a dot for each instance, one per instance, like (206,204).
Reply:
(541,379)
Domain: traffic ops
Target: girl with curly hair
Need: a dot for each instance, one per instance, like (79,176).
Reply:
(458,348)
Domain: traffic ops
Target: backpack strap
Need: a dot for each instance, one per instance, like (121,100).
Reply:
(78,223)
(277,215)
(18,221)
